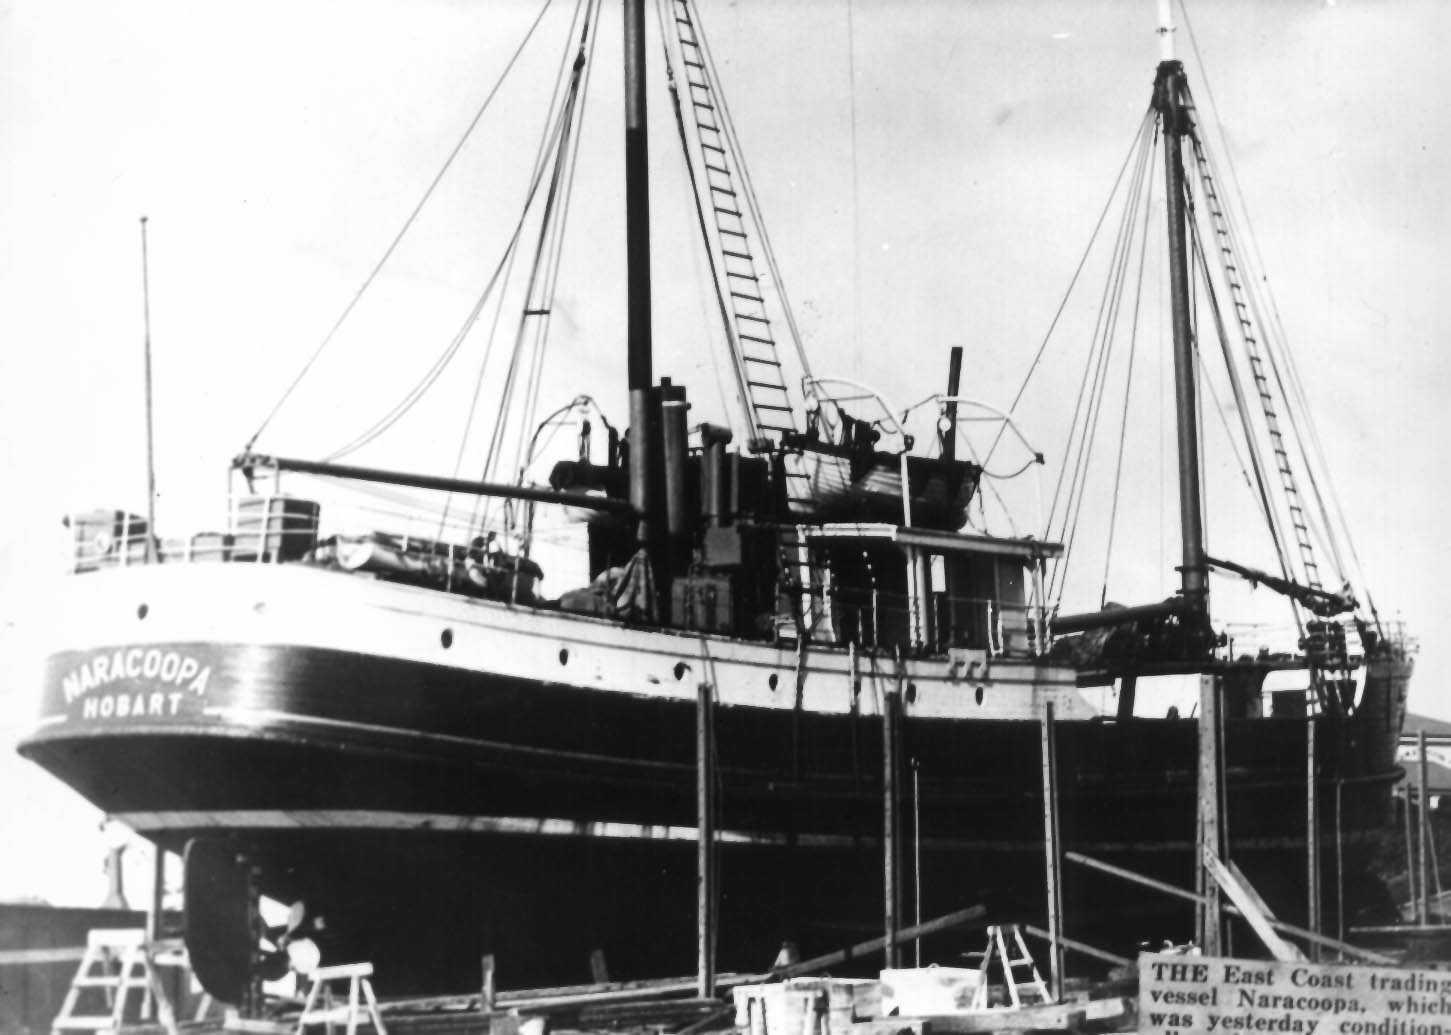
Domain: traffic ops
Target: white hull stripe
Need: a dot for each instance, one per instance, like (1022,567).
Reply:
(357,820)
(424,822)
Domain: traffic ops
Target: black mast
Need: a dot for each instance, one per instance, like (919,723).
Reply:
(1191,605)
(637,229)
(1169,100)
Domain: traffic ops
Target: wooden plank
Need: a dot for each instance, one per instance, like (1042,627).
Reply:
(1312,832)
(1353,951)
(973,916)
(28,957)
(1052,860)
(888,1026)
(1422,844)
(1211,839)
(705,903)
(1077,946)
(1249,905)
(1051,1017)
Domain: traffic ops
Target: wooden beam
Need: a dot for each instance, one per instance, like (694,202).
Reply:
(1050,1017)
(1312,832)
(973,916)
(1211,840)
(486,991)
(1353,951)
(1048,745)
(1077,946)
(891,825)
(1252,908)
(1422,854)
(705,900)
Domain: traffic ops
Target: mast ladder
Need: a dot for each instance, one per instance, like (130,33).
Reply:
(1230,266)
(759,371)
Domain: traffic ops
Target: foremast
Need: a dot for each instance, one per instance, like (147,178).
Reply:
(1193,571)
(1190,607)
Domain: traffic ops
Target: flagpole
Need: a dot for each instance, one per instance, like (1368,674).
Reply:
(150,448)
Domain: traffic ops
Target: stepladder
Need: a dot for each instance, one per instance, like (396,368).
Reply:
(1024,983)
(119,970)
(362,1006)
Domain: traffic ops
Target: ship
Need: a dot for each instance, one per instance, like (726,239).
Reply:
(393,729)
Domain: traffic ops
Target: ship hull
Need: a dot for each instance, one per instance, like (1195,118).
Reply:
(525,784)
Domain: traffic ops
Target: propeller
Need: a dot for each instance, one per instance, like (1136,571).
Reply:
(229,946)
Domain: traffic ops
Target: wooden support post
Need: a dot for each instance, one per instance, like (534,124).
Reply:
(891,698)
(1423,772)
(1312,835)
(1051,850)
(158,892)
(1210,840)
(487,992)
(705,907)
(916,861)
(1412,896)
(1340,859)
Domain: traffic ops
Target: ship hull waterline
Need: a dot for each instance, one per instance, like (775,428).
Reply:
(434,811)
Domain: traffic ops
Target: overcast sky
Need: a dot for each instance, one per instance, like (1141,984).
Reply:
(276,148)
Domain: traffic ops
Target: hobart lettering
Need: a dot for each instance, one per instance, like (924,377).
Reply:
(171,675)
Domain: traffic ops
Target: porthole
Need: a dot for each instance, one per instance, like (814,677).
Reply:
(564,655)
(680,669)
(142,611)
(446,638)
(978,694)
(911,692)
(773,681)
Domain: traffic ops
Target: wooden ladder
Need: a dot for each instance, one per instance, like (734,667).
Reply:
(362,1004)
(1002,941)
(137,973)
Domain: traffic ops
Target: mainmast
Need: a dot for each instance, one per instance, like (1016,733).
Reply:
(1169,101)
(637,230)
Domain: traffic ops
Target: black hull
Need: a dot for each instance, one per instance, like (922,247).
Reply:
(434,813)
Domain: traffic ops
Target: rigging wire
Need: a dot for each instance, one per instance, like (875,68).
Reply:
(1073,424)
(544,307)
(1072,281)
(540,154)
(431,376)
(717,282)
(1128,388)
(537,300)
(1252,443)
(856,235)
(1077,488)
(420,387)
(563,85)
(1104,336)
(748,191)
(1278,340)
(402,231)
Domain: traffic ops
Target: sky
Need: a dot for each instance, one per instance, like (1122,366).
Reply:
(929,172)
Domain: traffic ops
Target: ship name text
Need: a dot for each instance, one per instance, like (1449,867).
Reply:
(171,675)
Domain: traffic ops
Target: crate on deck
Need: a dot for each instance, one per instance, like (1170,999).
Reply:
(274,528)
(106,538)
